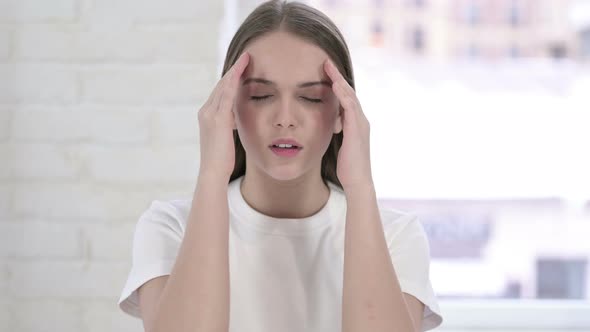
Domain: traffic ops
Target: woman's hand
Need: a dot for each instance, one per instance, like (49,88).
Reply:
(216,123)
(354,160)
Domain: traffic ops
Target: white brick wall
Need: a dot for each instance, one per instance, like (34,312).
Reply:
(34,11)
(77,124)
(5,123)
(146,85)
(33,239)
(98,117)
(39,83)
(5,43)
(6,191)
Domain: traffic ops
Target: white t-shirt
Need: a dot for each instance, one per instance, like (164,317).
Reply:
(285,274)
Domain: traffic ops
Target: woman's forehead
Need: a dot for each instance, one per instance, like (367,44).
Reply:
(284,78)
(275,73)
(253,83)
(281,55)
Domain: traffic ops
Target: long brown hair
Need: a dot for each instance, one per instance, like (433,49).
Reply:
(307,23)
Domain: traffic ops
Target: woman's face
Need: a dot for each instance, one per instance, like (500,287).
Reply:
(281,96)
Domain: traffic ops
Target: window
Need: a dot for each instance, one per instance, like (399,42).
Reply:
(457,235)
(473,51)
(473,13)
(416,3)
(585,43)
(483,245)
(417,39)
(561,278)
(514,14)
(419,3)
(504,204)
(377,33)
(332,3)
(513,52)
(557,51)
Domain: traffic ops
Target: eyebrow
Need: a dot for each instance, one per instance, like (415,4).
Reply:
(300,85)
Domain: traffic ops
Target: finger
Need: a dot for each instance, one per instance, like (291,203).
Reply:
(212,96)
(231,87)
(343,91)
(340,86)
(336,76)
(347,100)
(239,64)
(213,101)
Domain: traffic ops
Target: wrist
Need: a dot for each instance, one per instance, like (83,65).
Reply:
(212,178)
(361,188)
(211,171)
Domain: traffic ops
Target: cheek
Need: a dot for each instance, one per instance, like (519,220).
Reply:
(326,120)
(244,114)
(247,123)
(330,114)
(331,106)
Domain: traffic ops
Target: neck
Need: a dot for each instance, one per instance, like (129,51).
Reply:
(297,198)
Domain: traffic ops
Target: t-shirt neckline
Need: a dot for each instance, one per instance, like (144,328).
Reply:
(248,216)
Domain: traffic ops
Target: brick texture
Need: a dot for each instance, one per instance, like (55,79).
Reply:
(98,118)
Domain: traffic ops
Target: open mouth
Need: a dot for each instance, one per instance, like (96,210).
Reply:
(285,151)
(285,146)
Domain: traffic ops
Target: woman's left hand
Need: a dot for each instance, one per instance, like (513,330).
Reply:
(354,158)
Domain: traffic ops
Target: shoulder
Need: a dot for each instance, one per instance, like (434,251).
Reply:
(405,235)
(398,222)
(166,214)
(410,254)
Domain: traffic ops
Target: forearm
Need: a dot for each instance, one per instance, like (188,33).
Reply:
(196,295)
(372,298)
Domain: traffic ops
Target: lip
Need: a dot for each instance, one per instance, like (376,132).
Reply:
(285,152)
(286,141)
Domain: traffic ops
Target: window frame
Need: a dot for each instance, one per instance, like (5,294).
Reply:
(472,314)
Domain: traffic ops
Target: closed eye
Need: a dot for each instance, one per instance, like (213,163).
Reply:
(256,98)
(312,100)
(259,98)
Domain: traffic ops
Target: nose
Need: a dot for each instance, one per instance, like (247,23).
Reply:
(281,125)
(285,116)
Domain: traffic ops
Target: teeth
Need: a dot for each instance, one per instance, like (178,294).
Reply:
(284,145)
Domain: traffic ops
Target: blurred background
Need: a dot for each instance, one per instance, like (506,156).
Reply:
(479,112)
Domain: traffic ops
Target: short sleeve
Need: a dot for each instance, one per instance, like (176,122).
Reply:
(156,241)
(410,255)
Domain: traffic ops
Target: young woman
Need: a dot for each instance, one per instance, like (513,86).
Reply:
(283,232)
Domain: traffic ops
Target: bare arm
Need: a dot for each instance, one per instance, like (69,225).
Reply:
(195,297)
(372,298)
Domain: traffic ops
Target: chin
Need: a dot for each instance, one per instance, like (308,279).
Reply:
(285,172)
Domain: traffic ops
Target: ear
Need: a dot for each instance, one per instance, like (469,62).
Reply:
(338,121)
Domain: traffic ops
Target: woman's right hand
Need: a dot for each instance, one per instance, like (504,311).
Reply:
(216,123)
